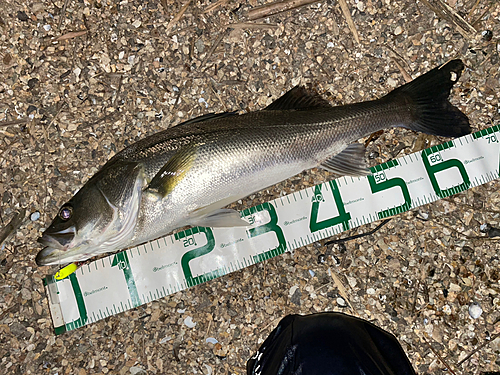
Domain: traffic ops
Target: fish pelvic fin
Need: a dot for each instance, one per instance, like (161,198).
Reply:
(221,218)
(350,162)
(298,98)
(167,178)
(427,99)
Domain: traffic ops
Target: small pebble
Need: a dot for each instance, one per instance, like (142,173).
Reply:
(46,27)
(210,371)
(423,215)
(202,100)
(211,340)
(295,298)
(493,232)
(136,370)
(391,82)
(200,46)
(219,350)
(398,30)
(487,35)
(341,302)
(22,16)
(485,227)
(475,310)
(165,339)
(189,322)
(35,216)
(292,290)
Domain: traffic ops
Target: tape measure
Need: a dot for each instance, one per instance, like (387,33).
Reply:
(162,267)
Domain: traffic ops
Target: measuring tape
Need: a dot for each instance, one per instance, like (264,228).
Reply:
(128,279)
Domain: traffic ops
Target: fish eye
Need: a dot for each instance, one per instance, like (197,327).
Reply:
(65,212)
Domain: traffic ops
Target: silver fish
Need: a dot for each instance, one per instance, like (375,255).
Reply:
(186,174)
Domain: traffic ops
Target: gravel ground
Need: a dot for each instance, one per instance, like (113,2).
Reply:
(81,80)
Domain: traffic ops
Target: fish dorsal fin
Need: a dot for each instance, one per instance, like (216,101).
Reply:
(207,117)
(173,171)
(298,98)
(350,162)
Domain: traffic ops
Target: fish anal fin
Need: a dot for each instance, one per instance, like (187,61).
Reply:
(350,162)
(173,171)
(298,98)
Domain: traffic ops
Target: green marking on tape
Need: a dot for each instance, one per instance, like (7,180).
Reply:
(194,253)
(206,277)
(271,226)
(342,218)
(440,166)
(485,132)
(437,148)
(60,330)
(121,260)
(82,320)
(388,184)
(384,166)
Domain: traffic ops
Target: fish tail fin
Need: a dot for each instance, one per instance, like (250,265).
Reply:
(427,96)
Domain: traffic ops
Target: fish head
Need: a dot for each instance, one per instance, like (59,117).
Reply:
(100,218)
(73,233)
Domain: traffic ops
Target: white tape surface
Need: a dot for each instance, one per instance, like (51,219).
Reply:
(148,272)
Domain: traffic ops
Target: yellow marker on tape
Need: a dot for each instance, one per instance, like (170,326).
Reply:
(66,271)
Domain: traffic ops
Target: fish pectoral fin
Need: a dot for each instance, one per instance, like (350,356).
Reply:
(298,98)
(223,217)
(173,171)
(350,162)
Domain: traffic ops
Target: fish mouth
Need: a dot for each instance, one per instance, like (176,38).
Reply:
(56,245)
(48,256)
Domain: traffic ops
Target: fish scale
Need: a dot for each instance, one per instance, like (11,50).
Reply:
(159,268)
